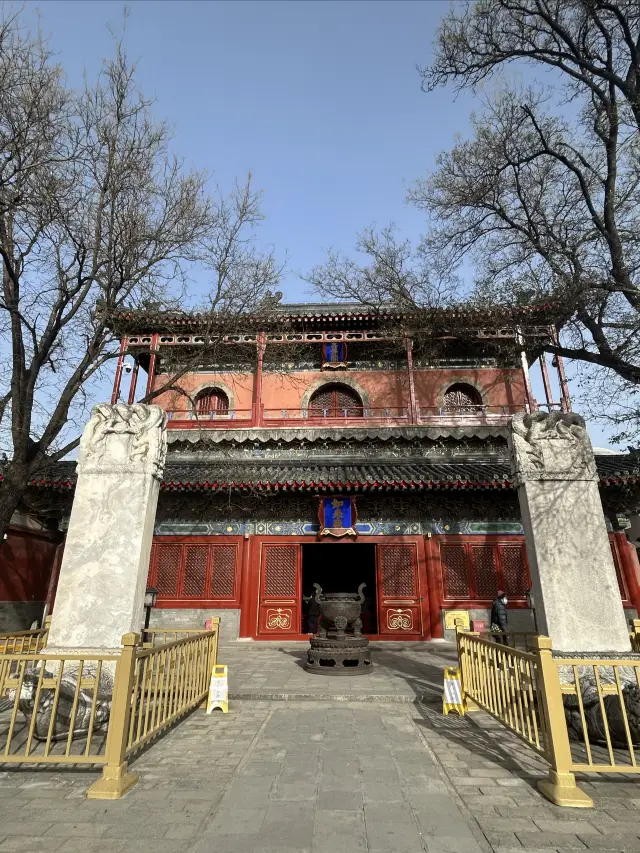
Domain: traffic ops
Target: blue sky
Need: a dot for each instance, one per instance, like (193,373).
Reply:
(320,100)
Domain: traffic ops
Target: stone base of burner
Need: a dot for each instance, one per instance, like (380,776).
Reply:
(344,656)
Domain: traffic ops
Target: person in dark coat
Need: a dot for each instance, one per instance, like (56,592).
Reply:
(499,618)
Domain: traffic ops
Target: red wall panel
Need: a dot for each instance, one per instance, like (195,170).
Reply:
(26,560)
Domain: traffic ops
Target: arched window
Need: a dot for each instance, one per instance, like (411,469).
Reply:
(212,401)
(462,398)
(335,401)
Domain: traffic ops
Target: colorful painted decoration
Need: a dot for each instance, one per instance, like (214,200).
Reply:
(334,355)
(337,516)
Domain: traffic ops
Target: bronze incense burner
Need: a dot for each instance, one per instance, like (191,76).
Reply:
(339,647)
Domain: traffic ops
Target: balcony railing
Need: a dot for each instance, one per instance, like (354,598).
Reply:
(337,415)
(213,418)
(468,414)
(352,416)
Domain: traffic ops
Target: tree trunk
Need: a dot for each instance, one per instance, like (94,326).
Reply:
(12,488)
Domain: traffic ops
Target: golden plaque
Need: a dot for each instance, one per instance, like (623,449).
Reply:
(457,619)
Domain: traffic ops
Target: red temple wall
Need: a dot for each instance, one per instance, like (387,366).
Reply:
(383,388)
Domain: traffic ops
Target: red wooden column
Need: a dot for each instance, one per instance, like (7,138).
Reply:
(118,377)
(531,402)
(53,580)
(558,363)
(545,381)
(630,568)
(247,618)
(434,584)
(134,382)
(256,406)
(152,364)
(413,411)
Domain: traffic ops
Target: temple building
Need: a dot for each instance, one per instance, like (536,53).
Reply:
(327,444)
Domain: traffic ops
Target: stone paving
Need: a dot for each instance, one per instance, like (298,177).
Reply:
(321,775)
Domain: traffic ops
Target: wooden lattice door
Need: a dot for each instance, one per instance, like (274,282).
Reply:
(399,610)
(212,401)
(280,589)
(335,401)
(462,398)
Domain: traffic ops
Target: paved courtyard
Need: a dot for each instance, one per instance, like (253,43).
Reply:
(347,770)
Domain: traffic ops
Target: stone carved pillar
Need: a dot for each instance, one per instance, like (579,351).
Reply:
(574,579)
(104,570)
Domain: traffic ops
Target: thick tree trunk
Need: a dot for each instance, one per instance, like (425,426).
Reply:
(12,488)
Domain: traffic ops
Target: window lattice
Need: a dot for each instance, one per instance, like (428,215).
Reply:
(167,566)
(212,400)
(456,575)
(485,570)
(461,398)
(514,570)
(224,571)
(397,571)
(195,571)
(336,401)
(280,571)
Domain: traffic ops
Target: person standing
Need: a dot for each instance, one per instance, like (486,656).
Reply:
(499,618)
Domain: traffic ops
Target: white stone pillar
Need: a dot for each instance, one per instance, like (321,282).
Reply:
(576,591)
(104,570)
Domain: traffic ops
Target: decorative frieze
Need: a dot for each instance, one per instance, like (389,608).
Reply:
(301,528)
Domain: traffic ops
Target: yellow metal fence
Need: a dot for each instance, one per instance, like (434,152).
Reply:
(23,642)
(504,682)
(580,714)
(100,709)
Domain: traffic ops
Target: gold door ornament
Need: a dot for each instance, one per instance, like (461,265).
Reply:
(279,618)
(399,620)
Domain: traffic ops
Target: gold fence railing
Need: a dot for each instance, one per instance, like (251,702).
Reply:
(514,639)
(100,709)
(159,636)
(24,642)
(169,680)
(580,714)
(504,682)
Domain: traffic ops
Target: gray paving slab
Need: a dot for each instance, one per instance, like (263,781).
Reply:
(323,773)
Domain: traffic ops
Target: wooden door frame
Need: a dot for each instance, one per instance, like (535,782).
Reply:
(250,612)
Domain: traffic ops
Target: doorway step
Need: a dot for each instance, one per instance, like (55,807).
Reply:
(404,673)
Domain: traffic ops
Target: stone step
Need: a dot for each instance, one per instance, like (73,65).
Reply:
(374,698)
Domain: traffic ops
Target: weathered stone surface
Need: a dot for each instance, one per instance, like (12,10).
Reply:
(103,576)
(195,617)
(574,580)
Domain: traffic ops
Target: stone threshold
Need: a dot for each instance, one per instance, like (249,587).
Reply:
(372,698)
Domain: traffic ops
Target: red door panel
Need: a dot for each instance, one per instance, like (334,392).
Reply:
(399,606)
(280,589)
(474,568)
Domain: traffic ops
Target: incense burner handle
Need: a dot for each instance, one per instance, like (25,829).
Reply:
(318,592)
(360,593)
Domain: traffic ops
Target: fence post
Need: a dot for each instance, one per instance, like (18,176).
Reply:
(463,662)
(115,781)
(561,786)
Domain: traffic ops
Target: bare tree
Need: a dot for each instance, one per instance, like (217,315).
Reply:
(97,214)
(545,194)
(391,272)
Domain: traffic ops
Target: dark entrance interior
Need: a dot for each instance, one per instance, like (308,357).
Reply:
(340,567)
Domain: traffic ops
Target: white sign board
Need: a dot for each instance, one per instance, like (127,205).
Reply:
(219,689)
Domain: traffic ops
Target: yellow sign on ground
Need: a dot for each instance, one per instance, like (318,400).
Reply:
(219,689)
(457,619)
(452,699)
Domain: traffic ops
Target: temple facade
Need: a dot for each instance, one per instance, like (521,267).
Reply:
(325,444)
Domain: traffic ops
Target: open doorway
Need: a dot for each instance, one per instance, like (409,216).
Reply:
(340,567)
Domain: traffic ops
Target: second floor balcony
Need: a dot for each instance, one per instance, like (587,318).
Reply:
(347,416)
